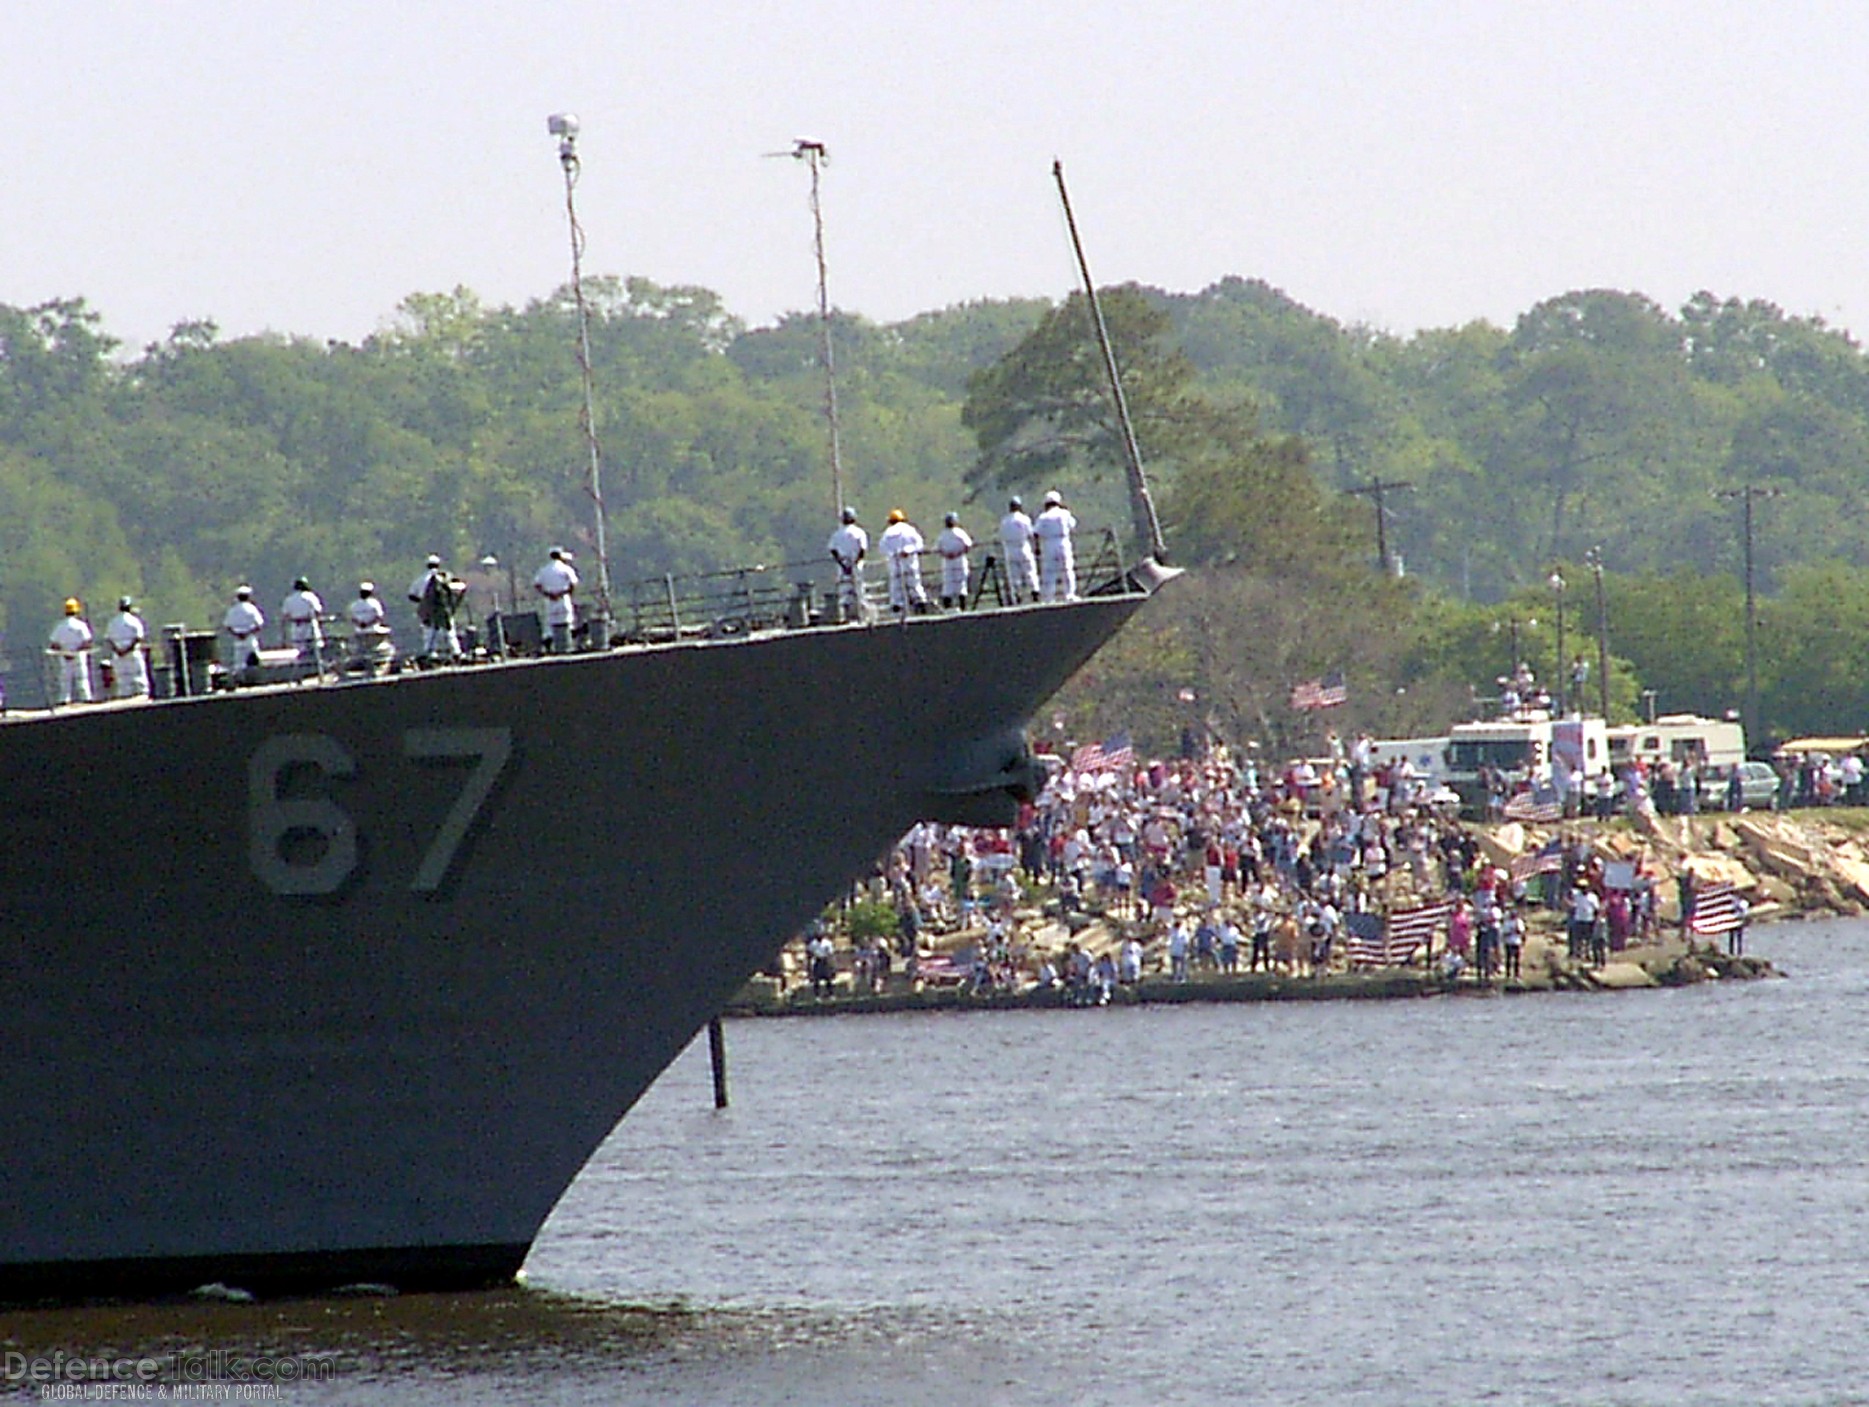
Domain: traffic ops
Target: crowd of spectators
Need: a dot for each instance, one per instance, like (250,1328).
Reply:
(1205,863)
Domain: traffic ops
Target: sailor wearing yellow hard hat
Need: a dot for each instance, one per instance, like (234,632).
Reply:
(902,546)
(70,643)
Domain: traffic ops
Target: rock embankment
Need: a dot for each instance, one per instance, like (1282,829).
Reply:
(1804,864)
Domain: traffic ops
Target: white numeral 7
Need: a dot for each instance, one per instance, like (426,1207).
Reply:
(490,749)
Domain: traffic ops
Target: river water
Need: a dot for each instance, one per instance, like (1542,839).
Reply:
(1648,1197)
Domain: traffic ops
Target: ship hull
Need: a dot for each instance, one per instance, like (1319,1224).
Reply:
(349,981)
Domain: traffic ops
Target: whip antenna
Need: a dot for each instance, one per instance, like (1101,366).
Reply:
(1148,527)
(816,157)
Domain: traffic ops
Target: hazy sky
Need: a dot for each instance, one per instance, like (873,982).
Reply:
(305,167)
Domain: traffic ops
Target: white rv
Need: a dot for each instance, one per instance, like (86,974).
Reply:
(1678,738)
(1522,748)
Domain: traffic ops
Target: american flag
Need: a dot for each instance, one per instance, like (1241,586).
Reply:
(944,969)
(1549,860)
(1717,909)
(1541,805)
(1327,692)
(1373,943)
(1112,754)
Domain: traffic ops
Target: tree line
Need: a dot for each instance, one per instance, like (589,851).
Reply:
(1601,437)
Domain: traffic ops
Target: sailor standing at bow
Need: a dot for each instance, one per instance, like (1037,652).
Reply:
(244,621)
(125,635)
(1054,528)
(847,547)
(70,641)
(901,545)
(953,546)
(303,613)
(1015,540)
(435,599)
(556,581)
(369,627)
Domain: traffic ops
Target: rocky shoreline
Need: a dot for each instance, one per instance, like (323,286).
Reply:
(1796,865)
(1666,964)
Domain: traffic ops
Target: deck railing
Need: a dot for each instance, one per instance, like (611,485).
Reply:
(793,595)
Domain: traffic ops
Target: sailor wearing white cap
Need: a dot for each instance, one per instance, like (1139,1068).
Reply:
(848,546)
(1015,540)
(125,635)
(435,598)
(953,546)
(557,581)
(1057,563)
(303,613)
(369,627)
(244,621)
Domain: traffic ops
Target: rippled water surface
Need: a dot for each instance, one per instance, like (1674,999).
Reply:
(1652,1197)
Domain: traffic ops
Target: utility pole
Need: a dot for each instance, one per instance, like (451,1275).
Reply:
(1375,489)
(1746,495)
(1556,582)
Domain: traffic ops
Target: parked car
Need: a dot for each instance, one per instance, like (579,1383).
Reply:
(1758,787)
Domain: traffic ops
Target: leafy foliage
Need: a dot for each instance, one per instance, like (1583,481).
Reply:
(1598,420)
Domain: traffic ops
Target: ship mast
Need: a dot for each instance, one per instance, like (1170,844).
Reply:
(815,156)
(1148,527)
(564,126)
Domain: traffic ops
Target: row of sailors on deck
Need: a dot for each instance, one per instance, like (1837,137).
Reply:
(437,595)
(1048,574)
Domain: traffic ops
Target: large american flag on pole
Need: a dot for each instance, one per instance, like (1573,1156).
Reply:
(1327,692)
(1718,908)
(1113,753)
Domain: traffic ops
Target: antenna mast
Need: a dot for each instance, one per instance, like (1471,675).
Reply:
(564,126)
(1148,527)
(814,155)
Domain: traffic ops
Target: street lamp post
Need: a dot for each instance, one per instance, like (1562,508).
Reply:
(496,624)
(1594,559)
(1556,582)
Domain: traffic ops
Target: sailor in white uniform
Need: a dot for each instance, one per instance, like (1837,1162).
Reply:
(125,635)
(1056,561)
(369,627)
(901,545)
(1015,539)
(847,547)
(436,612)
(70,641)
(303,613)
(556,581)
(244,621)
(952,547)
